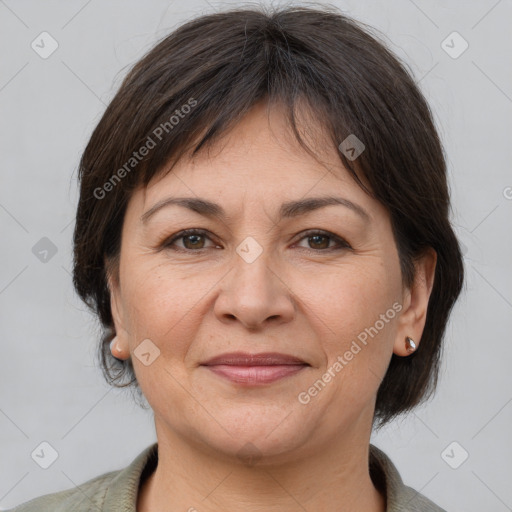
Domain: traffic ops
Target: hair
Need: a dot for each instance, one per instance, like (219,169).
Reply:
(201,79)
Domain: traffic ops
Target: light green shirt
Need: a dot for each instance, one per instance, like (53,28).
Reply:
(116,491)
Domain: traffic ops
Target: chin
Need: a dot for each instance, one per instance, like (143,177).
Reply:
(256,438)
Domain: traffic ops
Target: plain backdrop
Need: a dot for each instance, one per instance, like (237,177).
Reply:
(50,388)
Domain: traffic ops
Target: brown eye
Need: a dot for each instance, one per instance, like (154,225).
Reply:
(192,240)
(321,241)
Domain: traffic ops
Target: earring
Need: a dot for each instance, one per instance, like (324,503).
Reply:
(410,346)
(114,347)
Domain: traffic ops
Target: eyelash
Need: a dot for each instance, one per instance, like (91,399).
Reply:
(342,244)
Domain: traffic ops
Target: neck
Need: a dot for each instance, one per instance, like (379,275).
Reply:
(191,478)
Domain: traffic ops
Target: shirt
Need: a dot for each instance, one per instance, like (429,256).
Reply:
(117,491)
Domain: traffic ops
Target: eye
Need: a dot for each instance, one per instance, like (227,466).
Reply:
(193,240)
(320,240)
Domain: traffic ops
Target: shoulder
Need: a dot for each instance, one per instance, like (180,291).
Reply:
(112,491)
(413,501)
(88,496)
(400,497)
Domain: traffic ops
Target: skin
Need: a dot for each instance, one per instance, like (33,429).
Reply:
(298,297)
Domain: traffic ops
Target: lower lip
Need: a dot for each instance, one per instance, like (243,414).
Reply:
(254,375)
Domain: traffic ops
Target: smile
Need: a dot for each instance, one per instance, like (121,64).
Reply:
(256,375)
(255,369)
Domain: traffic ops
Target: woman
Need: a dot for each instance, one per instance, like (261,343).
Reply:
(263,233)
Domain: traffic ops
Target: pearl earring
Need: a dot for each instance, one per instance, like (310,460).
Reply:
(114,347)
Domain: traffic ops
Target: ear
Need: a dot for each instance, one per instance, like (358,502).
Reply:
(415,303)
(121,347)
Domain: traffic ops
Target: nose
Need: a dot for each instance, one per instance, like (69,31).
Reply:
(255,295)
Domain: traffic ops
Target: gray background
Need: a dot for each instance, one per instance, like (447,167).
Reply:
(50,389)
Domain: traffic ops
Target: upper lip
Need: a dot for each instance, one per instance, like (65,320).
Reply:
(246,359)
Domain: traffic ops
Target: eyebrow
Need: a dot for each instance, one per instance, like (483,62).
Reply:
(287,210)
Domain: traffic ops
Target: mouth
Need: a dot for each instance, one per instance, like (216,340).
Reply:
(255,369)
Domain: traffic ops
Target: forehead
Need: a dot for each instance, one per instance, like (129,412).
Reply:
(259,160)
(258,141)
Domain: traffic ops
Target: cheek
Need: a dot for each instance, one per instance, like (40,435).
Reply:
(161,302)
(355,312)
(351,298)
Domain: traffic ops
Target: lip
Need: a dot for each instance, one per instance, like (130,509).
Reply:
(255,369)
(246,359)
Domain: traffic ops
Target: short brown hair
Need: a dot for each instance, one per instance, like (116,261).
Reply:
(225,63)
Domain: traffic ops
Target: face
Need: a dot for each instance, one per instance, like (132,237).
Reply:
(320,284)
